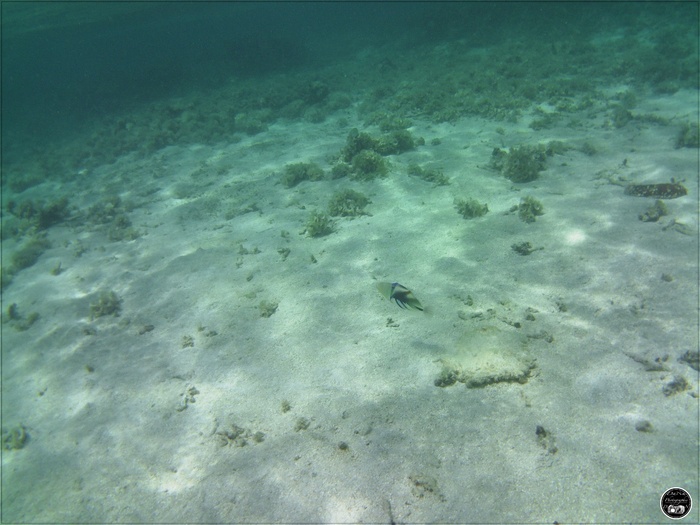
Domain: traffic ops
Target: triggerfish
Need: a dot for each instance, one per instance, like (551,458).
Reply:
(400,295)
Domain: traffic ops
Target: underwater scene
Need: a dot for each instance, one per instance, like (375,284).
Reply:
(348,262)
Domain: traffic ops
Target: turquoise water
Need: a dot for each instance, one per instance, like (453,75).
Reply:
(199,199)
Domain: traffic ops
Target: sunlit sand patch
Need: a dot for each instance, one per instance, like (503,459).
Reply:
(574,237)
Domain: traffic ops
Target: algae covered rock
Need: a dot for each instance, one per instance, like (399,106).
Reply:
(487,356)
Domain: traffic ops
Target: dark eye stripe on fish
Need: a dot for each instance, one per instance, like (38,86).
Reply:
(401,295)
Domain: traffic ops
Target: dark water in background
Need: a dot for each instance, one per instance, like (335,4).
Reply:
(66,63)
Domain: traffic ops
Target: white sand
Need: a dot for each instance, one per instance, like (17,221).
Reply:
(114,445)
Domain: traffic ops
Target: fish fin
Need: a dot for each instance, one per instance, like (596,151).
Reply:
(385,289)
(413,302)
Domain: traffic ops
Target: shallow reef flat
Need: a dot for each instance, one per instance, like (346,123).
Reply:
(193,329)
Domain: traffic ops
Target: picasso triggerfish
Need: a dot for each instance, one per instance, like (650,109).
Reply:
(400,295)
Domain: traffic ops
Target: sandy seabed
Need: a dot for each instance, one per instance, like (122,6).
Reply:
(191,406)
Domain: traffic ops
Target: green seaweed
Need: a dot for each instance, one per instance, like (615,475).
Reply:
(253,122)
(314,92)
(40,215)
(13,312)
(524,163)
(112,212)
(691,358)
(18,321)
(301,171)
(368,165)
(29,254)
(621,116)
(524,248)
(644,426)
(688,136)
(588,148)
(423,485)
(23,181)
(319,225)
(546,439)
(25,323)
(556,147)
(355,143)
(233,434)
(521,163)
(108,303)
(448,376)
(389,122)
(15,438)
(676,385)
(470,208)
(529,209)
(544,120)
(105,211)
(6,275)
(347,203)
(432,175)
(395,143)
(362,156)
(341,170)
(121,230)
(498,159)
(267,308)
(301,424)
